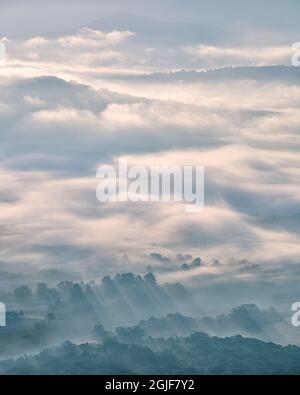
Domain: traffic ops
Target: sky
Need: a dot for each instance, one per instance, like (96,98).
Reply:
(85,85)
(36,16)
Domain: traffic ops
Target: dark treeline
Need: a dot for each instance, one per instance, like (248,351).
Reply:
(195,354)
(135,315)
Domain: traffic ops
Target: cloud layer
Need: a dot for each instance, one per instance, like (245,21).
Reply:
(68,106)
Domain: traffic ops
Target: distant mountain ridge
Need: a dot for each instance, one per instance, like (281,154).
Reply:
(287,74)
(156,31)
